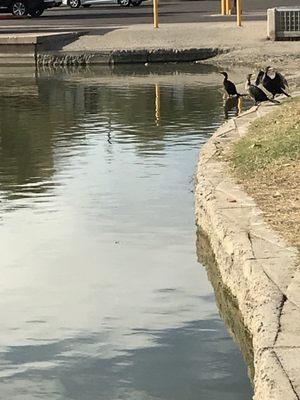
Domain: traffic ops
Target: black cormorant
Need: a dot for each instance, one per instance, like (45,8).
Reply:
(275,85)
(259,77)
(229,86)
(256,93)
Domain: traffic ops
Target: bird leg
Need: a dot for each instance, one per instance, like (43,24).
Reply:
(285,93)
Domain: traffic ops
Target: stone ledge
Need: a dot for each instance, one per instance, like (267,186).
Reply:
(254,263)
(22,49)
(138,56)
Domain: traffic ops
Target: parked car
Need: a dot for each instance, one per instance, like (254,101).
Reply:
(88,3)
(20,8)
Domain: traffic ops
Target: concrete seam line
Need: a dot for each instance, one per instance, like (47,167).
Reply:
(288,378)
(284,299)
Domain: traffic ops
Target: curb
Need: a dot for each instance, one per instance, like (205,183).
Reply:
(23,49)
(142,56)
(254,264)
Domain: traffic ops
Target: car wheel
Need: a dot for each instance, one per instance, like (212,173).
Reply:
(36,12)
(124,3)
(74,3)
(86,6)
(19,8)
(136,3)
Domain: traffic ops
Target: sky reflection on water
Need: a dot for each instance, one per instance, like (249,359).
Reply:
(101,293)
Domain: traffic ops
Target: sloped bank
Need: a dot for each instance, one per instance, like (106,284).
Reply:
(133,56)
(254,263)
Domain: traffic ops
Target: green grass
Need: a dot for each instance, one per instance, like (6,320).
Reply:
(274,138)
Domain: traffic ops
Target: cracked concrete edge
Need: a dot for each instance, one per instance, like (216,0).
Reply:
(134,56)
(254,262)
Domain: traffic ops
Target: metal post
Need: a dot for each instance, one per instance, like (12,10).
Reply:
(223,7)
(239,12)
(155,13)
(227,7)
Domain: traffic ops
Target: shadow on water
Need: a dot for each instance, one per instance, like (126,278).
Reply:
(227,304)
(232,104)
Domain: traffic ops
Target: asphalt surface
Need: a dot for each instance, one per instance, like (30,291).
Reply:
(102,18)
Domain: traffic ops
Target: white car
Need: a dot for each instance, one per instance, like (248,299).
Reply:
(88,3)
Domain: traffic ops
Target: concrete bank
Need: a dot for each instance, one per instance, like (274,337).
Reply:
(182,42)
(110,57)
(255,264)
(23,49)
(248,45)
(44,49)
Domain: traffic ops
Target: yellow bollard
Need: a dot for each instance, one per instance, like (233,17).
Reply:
(155,13)
(239,12)
(223,7)
(227,7)
(157,104)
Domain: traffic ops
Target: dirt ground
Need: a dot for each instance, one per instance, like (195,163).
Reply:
(267,164)
(276,189)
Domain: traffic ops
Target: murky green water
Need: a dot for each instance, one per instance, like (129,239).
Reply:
(101,294)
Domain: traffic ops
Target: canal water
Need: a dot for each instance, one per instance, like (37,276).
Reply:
(101,293)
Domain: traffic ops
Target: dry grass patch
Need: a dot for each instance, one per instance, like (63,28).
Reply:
(267,163)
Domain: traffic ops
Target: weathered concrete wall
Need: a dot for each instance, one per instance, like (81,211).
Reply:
(227,304)
(45,50)
(254,263)
(22,49)
(134,56)
(14,50)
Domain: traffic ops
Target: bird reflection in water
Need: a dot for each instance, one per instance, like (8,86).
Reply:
(232,103)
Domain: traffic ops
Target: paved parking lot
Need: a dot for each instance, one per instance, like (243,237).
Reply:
(100,18)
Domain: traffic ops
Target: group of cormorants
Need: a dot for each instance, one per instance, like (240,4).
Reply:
(276,84)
